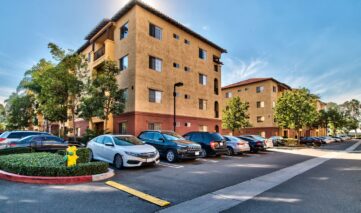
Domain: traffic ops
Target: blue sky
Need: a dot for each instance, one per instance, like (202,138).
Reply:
(304,43)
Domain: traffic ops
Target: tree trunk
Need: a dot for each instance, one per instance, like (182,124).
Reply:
(74,127)
(105,125)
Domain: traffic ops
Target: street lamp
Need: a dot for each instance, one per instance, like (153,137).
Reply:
(179,84)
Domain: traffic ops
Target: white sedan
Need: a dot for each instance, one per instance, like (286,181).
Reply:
(122,151)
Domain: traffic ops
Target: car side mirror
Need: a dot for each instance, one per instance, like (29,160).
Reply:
(161,139)
(109,144)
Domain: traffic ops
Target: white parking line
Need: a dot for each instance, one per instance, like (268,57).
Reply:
(207,160)
(174,166)
(234,195)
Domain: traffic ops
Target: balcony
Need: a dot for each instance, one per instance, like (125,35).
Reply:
(217,60)
(103,53)
(99,53)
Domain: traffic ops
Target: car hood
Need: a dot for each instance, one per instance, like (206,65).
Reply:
(138,148)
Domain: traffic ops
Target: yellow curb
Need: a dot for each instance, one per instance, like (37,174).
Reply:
(139,194)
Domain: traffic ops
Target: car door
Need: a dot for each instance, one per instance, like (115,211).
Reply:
(97,146)
(160,142)
(36,143)
(108,152)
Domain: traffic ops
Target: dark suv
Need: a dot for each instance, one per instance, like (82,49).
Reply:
(213,144)
(171,145)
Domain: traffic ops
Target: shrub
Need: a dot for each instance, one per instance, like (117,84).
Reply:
(290,142)
(47,164)
(83,154)
(15,150)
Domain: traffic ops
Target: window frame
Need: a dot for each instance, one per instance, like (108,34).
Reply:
(155,63)
(124,34)
(153,29)
(121,63)
(155,96)
(202,54)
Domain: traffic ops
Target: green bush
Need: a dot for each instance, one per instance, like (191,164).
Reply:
(47,164)
(290,142)
(83,154)
(15,150)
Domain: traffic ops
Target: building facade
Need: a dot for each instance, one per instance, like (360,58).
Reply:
(261,94)
(154,52)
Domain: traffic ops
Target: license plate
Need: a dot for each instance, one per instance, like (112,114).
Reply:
(196,153)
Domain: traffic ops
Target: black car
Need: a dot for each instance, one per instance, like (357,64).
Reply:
(254,144)
(41,143)
(213,144)
(311,141)
(170,145)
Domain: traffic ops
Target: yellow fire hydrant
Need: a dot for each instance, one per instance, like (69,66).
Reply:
(71,157)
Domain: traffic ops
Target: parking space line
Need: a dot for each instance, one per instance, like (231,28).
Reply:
(138,194)
(170,165)
(208,160)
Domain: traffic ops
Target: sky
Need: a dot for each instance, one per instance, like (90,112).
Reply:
(303,43)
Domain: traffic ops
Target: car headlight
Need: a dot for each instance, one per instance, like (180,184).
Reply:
(132,154)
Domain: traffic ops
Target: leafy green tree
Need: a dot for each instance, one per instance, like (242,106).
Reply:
(352,110)
(103,95)
(296,109)
(235,116)
(335,117)
(19,111)
(2,117)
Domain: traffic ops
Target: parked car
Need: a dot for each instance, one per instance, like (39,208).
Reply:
(41,143)
(276,140)
(311,141)
(255,145)
(9,136)
(267,143)
(326,139)
(170,145)
(344,137)
(122,151)
(213,144)
(338,139)
(236,145)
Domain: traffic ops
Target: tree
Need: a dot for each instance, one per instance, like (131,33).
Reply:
(19,111)
(235,116)
(335,117)
(2,117)
(296,109)
(352,110)
(103,95)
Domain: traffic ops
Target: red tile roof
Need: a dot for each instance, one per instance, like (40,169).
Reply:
(252,81)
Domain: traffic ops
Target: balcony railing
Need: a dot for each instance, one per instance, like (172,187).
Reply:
(99,53)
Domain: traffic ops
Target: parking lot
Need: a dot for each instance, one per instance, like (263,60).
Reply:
(175,183)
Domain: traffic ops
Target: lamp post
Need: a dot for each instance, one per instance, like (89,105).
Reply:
(179,84)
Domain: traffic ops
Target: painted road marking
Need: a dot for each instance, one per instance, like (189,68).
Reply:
(207,160)
(234,195)
(174,166)
(139,194)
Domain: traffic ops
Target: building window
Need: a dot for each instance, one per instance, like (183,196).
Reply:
(176,65)
(216,67)
(202,54)
(239,90)
(187,69)
(123,128)
(89,56)
(216,128)
(154,126)
(155,31)
(216,86)
(155,63)
(155,96)
(186,96)
(259,89)
(187,42)
(202,104)
(260,119)
(246,89)
(187,124)
(274,89)
(216,109)
(202,79)
(175,36)
(124,31)
(260,104)
(203,128)
(228,94)
(123,63)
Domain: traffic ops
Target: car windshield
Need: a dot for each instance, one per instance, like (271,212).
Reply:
(172,136)
(216,136)
(127,141)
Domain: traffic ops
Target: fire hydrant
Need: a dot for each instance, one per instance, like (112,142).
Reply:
(71,157)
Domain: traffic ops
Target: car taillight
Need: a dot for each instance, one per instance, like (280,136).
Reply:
(2,139)
(213,144)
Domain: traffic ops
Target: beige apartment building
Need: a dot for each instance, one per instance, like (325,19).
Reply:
(154,52)
(262,95)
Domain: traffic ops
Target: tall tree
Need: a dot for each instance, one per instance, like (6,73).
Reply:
(352,110)
(103,95)
(296,109)
(335,117)
(235,116)
(19,111)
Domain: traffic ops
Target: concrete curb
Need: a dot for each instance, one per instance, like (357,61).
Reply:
(55,180)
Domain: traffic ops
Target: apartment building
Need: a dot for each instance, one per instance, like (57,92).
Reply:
(154,52)
(261,94)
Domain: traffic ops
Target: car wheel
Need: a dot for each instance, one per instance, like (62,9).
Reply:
(230,151)
(203,153)
(171,156)
(91,155)
(118,161)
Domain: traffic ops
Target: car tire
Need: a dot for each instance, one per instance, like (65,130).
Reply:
(203,153)
(171,156)
(230,151)
(118,161)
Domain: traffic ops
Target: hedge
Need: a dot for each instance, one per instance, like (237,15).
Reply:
(47,164)
(15,150)
(83,154)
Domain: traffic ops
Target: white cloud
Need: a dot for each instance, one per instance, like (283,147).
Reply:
(5,92)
